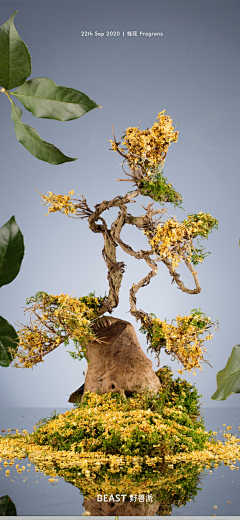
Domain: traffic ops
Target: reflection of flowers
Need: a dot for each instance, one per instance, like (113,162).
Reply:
(172,483)
(169,486)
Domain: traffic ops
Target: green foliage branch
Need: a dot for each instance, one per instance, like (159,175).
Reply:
(40,96)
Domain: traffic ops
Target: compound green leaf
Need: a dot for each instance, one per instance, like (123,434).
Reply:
(44,98)
(8,340)
(11,251)
(228,379)
(15,60)
(30,138)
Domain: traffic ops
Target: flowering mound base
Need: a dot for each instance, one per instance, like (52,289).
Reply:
(110,445)
(143,424)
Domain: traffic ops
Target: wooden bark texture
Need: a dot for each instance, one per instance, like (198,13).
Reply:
(120,509)
(118,362)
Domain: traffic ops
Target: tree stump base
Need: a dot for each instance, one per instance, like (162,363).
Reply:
(126,508)
(117,363)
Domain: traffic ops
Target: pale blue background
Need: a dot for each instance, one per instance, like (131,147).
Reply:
(193,73)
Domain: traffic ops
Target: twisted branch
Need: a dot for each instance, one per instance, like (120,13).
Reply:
(112,239)
(176,276)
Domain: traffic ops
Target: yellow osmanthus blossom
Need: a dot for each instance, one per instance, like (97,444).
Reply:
(181,340)
(170,240)
(60,203)
(58,318)
(173,239)
(148,147)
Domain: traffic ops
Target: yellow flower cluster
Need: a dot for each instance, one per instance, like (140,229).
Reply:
(60,203)
(182,341)
(168,238)
(173,239)
(148,147)
(58,319)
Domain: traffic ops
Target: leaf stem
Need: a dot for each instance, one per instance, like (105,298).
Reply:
(5,92)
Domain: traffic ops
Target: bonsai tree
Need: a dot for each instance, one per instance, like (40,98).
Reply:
(116,360)
(165,425)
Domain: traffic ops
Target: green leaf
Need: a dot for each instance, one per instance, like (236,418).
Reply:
(228,379)
(7,507)
(15,60)
(30,138)
(44,98)
(11,251)
(8,339)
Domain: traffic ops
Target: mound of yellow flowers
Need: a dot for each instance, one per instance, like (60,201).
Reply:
(147,447)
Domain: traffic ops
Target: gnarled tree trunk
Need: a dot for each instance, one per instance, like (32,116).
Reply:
(118,362)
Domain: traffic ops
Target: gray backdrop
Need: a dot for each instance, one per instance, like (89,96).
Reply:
(192,71)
